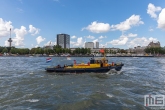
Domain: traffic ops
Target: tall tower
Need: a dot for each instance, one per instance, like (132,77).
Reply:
(10,40)
(97,44)
(63,40)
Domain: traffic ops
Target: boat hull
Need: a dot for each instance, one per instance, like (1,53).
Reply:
(84,70)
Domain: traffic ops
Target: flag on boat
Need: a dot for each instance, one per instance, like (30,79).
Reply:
(48,60)
(101,50)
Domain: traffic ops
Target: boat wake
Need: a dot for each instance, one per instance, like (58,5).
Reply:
(113,71)
(68,58)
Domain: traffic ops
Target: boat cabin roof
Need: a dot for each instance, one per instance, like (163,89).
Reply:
(98,60)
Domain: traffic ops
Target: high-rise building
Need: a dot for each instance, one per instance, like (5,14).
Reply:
(97,44)
(63,40)
(89,45)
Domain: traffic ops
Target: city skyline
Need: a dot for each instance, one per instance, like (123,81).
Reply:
(123,24)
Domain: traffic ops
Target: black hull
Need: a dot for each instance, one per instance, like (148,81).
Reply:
(82,70)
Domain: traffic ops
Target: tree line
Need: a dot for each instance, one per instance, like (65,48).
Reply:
(155,50)
(56,49)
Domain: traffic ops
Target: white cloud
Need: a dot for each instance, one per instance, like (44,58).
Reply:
(101,37)
(71,42)
(73,37)
(33,30)
(141,41)
(5,28)
(96,27)
(96,40)
(151,29)
(36,46)
(134,20)
(39,39)
(90,37)
(152,10)
(132,35)
(50,43)
(103,45)
(79,43)
(6,43)
(161,19)
(19,38)
(121,41)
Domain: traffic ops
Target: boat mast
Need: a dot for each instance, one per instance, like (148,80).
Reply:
(104,53)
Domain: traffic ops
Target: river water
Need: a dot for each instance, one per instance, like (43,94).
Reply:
(25,85)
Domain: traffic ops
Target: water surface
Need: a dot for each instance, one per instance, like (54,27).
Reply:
(24,84)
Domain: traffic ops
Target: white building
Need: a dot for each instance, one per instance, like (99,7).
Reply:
(89,45)
(63,40)
(97,44)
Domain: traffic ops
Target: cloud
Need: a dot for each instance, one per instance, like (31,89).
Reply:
(132,35)
(134,20)
(96,27)
(5,28)
(103,45)
(73,37)
(152,10)
(141,41)
(33,30)
(121,41)
(94,41)
(7,43)
(19,38)
(39,39)
(90,37)
(151,29)
(161,19)
(101,37)
(50,43)
(36,46)
(79,43)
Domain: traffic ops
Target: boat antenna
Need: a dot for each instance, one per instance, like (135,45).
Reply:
(104,52)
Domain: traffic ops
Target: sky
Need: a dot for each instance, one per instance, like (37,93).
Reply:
(113,23)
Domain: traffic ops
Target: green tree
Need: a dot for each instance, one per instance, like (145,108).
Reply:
(4,50)
(1,49)
(89,51)
(13,50)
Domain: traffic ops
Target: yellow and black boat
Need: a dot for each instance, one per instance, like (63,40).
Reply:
(95,65)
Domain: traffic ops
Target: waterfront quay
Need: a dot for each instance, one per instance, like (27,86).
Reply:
(38,55)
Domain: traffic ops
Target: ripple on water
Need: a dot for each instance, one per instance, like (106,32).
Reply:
(32,100)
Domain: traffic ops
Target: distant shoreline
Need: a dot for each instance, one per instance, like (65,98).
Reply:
(78,56)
